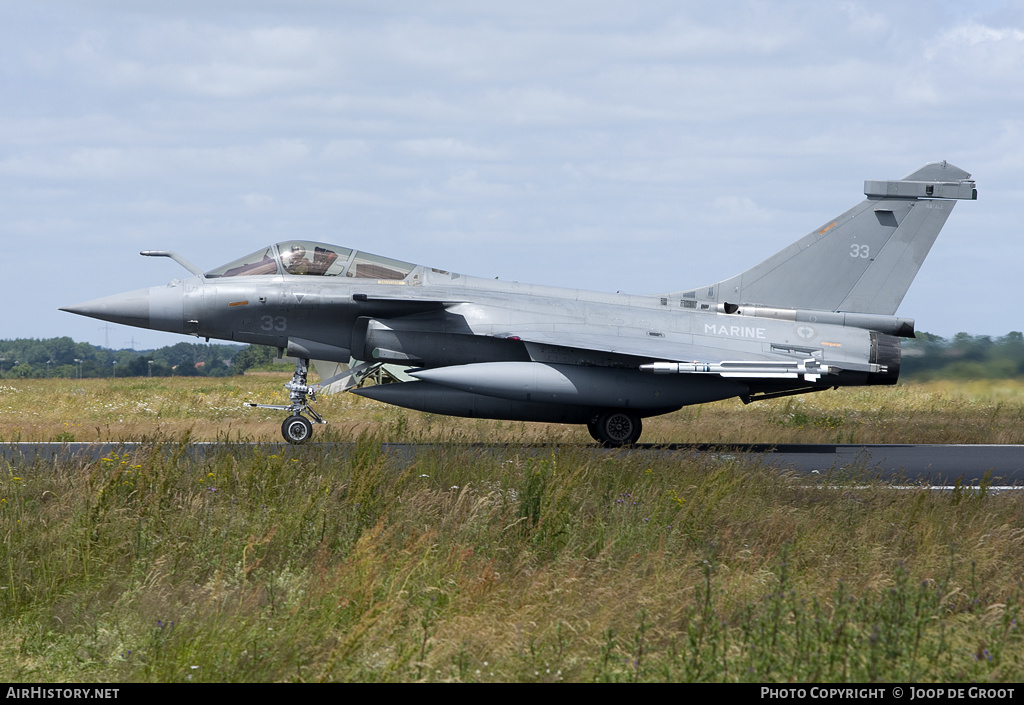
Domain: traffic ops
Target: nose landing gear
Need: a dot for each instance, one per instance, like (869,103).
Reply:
(297,428)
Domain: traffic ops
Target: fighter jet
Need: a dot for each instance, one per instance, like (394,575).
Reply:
(817,315)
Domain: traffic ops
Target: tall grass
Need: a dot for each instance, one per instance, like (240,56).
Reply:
(210,409)
(500,564)
(317,563)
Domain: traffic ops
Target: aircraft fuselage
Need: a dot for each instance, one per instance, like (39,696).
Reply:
(817,314)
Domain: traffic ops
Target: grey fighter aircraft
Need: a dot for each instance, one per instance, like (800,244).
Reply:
(817,315)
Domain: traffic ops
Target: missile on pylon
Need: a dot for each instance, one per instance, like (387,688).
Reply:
(810,369)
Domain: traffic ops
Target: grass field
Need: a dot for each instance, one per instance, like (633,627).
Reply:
(318,564)
(209,409)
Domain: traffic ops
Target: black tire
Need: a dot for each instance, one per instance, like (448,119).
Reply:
(296,429)
(617,428)
(592,428)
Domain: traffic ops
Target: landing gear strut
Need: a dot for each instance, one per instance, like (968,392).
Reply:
(297,428)
(615,428)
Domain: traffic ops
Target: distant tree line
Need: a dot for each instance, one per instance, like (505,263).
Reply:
(63,357)
(963,356)
(925,357)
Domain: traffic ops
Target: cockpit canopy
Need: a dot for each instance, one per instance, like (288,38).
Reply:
(305,258)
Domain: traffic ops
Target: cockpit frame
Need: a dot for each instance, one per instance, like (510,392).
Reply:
(291,258)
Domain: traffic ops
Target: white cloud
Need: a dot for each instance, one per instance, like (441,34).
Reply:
(257,200)
(355,197)
(973,35)
(344,150)
(863,21)
(217,128)
(446,148)
(736,209)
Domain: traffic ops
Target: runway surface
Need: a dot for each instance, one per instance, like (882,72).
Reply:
(937,465)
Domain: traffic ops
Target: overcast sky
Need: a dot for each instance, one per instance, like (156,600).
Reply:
(634,146)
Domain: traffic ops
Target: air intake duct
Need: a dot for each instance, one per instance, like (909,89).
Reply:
(885,351)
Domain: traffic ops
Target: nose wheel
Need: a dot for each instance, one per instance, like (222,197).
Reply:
(296,429)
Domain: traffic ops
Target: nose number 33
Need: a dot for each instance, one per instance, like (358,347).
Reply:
(273,323)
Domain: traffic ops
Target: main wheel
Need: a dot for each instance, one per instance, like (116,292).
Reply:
(615,429)
(296,429)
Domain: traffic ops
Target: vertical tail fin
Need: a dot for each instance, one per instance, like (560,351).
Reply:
(862,261)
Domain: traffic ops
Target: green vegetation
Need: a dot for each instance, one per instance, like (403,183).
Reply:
(313,564)
(929,357)
(62,357)
(515,564)
(211,409)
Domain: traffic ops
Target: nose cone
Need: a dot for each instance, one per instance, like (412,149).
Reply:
(130,308)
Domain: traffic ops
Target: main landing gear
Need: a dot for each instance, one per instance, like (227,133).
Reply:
(615,428)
